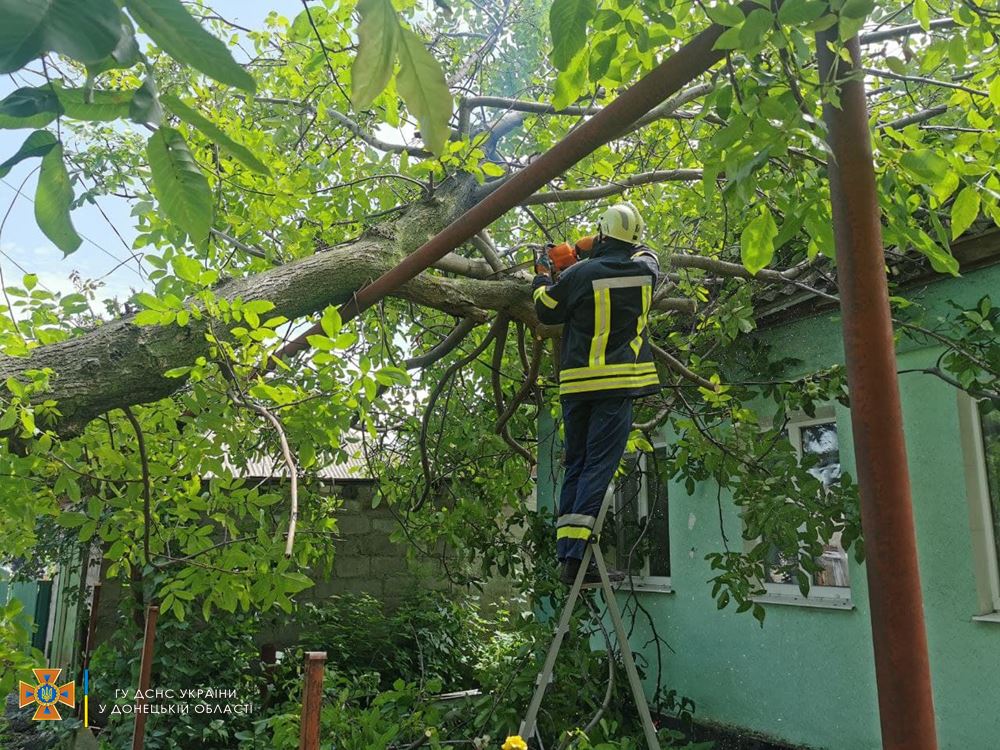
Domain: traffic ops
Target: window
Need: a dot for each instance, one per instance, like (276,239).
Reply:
(980,429)
(831,586)
(641,525)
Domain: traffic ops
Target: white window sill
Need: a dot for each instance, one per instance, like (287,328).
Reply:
(642,586)
(791,600)
(989,617)
(653,588)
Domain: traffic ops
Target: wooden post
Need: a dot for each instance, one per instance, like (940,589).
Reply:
(312,699)
(145,671)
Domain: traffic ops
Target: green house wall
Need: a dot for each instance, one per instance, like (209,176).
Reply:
(807,676)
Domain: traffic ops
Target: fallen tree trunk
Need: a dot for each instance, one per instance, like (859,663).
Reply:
(121,364)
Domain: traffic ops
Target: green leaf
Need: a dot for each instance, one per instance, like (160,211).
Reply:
(331,321)
(125,54)
(964,211)
(71,520)
(601,55)
(177,32)
(187,268)
(757,242)
(895,65)
(53,197)
(38,143)
(29,108)
(147,318)
(957,52)
(148,300)
(322,343)
(86,30)
(422,85)
(568,21)
(214,132)
(922,13)
(801,11)
(849,27)
(925,165)
(729,39)
(995,93)
(570,83)
(145,104)
(94,105)
(758,23)
(941,260)
(378,35)
(179,184)
(857,8)
(725,14)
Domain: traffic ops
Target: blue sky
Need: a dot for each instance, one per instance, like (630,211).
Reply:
(23,246)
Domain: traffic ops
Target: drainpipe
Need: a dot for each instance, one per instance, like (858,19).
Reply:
(902,670)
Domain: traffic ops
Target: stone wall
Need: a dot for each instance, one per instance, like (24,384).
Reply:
(366,560)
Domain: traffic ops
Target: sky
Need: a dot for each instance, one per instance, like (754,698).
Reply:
(23,248)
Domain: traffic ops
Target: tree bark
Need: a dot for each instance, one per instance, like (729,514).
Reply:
(122,364)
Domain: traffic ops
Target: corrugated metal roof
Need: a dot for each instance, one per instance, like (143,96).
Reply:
(354,468)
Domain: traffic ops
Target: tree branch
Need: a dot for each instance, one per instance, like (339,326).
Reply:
(147,495)
(679,367)
(916,117)
(896,32)
(241,246)
(926,81)
(293,473)
(372,140)
(615,188)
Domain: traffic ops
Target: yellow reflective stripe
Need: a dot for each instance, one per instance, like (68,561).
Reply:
(647,297)
(628,368)
(545,297)
(602,326)
(572,532)
(605,384)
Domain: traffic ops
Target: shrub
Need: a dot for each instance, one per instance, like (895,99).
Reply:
(218,654)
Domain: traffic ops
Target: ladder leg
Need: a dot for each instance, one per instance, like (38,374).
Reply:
(633,674)
(528,726)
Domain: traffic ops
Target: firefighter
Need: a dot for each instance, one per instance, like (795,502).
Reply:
(606,363)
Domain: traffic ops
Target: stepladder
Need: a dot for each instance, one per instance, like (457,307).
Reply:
(529,726)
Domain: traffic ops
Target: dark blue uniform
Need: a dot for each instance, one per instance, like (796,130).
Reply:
(606,362)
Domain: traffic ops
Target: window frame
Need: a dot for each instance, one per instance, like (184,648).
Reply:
(986,557)
(822,597)
(643,581)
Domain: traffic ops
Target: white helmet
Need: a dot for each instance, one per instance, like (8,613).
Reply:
(622,221)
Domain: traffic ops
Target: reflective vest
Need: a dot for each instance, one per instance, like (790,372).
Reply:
(603,303)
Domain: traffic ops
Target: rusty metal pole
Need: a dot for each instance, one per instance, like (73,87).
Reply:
(145,672)
(902,669)
(312,700)
(689,62)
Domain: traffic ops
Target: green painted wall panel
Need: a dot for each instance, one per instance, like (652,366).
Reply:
(807,676)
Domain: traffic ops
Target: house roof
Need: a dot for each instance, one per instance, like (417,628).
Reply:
(780,303)
(354,469)
(263,464)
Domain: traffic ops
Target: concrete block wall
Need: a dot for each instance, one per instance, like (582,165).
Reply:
(366,560)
